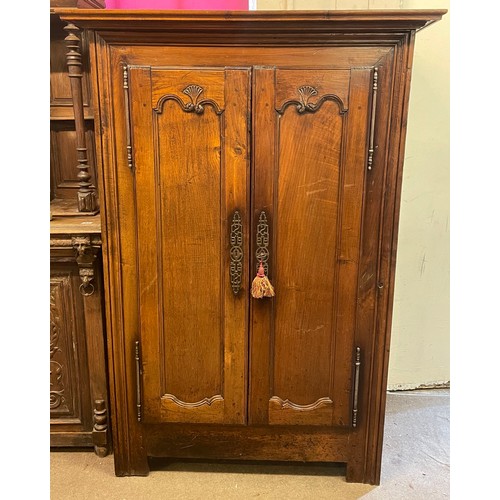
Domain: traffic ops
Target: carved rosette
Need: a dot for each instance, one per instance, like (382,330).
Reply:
(236,252)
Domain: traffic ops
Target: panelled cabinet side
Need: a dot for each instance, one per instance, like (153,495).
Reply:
(121,320)
(381,46)
(379,244)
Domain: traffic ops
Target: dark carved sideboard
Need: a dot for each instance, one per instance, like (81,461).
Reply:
(78,377)
(78,381)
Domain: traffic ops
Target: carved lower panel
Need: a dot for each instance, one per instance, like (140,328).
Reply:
(208,410)
(183,404)
(64,401)
(294,406)
(286,412)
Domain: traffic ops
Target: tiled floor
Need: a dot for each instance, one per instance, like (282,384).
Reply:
(415,465)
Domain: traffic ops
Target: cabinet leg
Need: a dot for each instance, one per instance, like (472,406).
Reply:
(134,465)
(100,430)
(101,451)
(357,473)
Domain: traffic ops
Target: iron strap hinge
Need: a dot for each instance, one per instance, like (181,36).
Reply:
(357,365)
(138,379)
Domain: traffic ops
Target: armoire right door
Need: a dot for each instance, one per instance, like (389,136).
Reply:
(311,146)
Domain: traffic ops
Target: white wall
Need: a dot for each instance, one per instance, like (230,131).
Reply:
(421,319)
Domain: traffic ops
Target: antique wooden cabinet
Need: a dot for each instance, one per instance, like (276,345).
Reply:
(229,139)
(78,381)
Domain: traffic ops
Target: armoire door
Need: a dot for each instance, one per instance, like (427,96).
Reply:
(311,147)
(189,154)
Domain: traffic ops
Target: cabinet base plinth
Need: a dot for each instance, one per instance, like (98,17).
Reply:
(205,442)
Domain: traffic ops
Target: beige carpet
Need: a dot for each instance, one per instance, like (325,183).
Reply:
(415,465)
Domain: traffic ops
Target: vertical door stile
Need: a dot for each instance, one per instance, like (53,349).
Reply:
(264,157)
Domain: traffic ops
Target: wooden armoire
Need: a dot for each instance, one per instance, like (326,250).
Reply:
(226,139)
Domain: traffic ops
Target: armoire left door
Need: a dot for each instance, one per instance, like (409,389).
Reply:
(186,134)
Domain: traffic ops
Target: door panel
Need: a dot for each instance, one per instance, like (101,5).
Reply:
(191,170)
(309,176)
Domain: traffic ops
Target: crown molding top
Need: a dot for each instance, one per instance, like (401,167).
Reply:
(253,21)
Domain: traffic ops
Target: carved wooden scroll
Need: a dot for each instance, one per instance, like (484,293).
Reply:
(287,404)
(195,105)
(304,104)
(196,404)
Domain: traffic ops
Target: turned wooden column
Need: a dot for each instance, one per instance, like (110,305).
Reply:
(87,196)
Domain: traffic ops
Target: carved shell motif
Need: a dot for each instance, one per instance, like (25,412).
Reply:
(305,93)
(197,104)
(193,92)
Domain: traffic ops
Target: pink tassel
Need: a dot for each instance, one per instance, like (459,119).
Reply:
(261,286)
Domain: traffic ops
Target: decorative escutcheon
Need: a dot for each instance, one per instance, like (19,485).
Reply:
(236,252)
(262,252)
